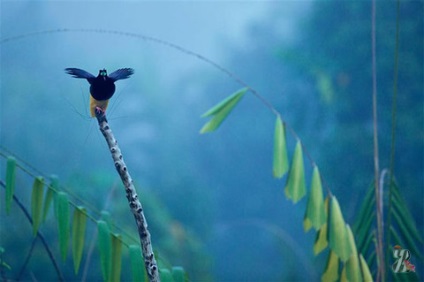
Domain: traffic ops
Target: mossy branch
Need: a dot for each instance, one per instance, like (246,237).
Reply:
(134,203)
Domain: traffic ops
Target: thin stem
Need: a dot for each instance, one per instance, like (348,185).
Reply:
(394,103)
(380,253)
(132,197)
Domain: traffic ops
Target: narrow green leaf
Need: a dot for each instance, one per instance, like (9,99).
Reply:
(116,257)
(337,234)
(78,235)
(331,272)
(105,248)
(364,233)
(63,222)
(321,241)
(365,244)
(295,187)
(54,186)
(405,216)
(221,105)
(406,235)
(315,211)
(221,111)
(281,163)
(353,270)
(366,273)
(137,265)
(165,275)
(37,203)
(366,209)
(179,274)
(10,182)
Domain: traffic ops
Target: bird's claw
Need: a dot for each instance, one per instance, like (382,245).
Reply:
(99,111)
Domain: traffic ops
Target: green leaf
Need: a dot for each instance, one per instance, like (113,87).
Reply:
(116,257)
(54,186)
(366,273)
(78,235)
(321,241)
(281,163)
(366,210)
(165,275)
(179,274)
(63,222)
(221,111)
(296,188)
(37,203)
(405,216)
(105,248)
(331,272)
(10,181)
(137,264)
(364,233)
(353,270)
(315,211)
(365,244)
(337,233)
(406,235)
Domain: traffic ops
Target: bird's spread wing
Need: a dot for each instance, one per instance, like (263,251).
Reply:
(79,73)
(121,74)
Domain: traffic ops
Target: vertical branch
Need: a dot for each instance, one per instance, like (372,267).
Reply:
(135,205)
(380,253)
(394,102)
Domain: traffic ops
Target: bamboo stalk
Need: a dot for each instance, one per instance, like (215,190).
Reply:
(135,205)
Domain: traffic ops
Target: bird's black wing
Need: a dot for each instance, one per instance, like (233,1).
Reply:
(121,74)
(79,73)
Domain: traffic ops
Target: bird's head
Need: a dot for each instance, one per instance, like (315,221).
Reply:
(103,73)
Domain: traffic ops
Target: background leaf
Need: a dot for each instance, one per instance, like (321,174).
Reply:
(137,264)
(337,233)
(295,187)
(37,203)
(78,235)
(315,211)
(105,248)
(63,222)
(10,181)
(221,111)
(281,163)
(116,257)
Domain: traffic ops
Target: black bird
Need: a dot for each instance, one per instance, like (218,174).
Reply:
(102,87)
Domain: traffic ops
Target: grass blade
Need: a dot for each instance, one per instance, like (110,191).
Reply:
(137,264)
(296,188)
(315,211)
(10,181)
(105,248)
(221,111)
(116,257)
(78,235)
(280,162)
(37,203)
(63,222)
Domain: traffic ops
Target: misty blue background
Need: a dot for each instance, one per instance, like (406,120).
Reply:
(215,189)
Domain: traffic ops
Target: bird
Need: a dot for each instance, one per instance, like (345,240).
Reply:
(102,87)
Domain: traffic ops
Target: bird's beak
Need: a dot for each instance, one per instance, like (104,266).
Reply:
(104,77)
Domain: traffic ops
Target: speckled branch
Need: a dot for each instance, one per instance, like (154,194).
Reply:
(134,203)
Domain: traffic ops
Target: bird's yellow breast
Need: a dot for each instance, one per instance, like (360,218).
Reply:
(102,104)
